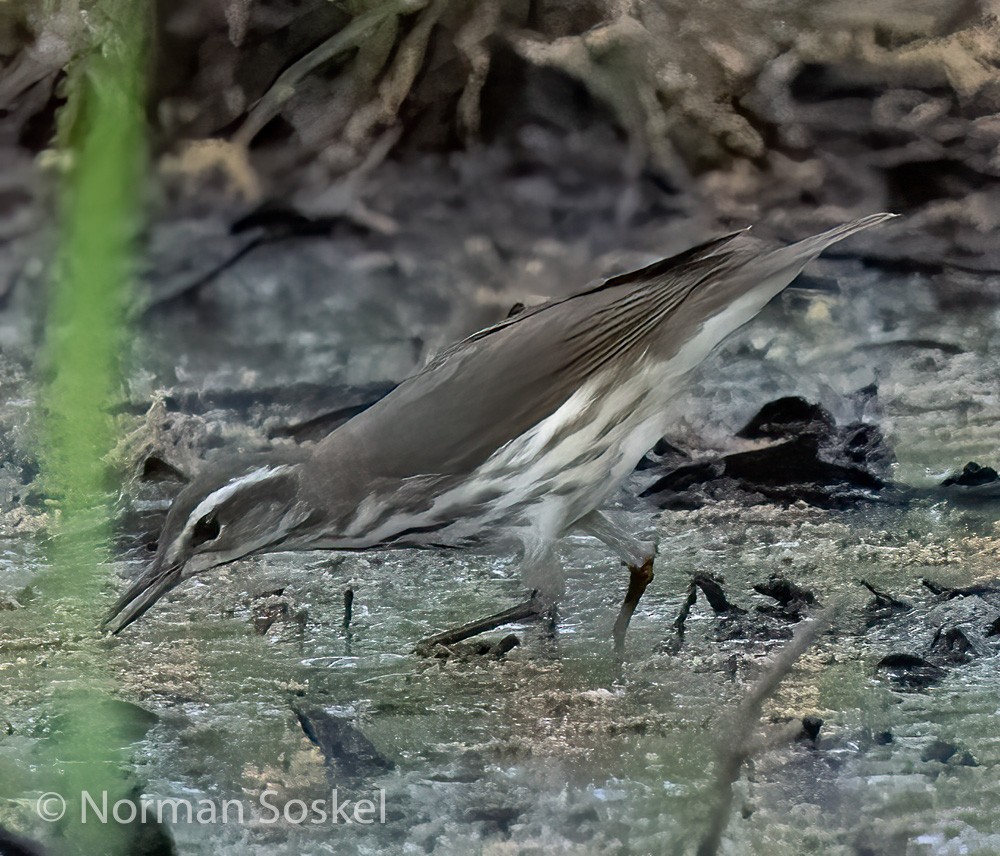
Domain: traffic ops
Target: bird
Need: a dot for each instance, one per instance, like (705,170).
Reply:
(512,438)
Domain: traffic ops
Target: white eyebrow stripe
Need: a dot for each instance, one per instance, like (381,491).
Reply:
(216,498)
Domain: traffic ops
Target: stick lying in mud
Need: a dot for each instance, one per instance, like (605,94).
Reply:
(348,608)
(737,732)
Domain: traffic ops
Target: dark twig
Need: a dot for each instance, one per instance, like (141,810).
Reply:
(348,608)
(689,601)
(192,289)
(530,608)
(949,593)
(711,587)
(884,599)
(271,103)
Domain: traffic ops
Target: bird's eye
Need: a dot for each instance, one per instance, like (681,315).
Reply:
(205,530)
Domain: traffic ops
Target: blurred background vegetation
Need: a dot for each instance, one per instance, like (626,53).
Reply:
(278,97)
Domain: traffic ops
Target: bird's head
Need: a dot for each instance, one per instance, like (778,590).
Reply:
(227,513)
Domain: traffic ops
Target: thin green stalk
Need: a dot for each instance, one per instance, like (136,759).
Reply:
(101,137)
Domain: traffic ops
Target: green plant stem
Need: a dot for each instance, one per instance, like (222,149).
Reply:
(101,138)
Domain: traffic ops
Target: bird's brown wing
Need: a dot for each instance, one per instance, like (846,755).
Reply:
(498,383)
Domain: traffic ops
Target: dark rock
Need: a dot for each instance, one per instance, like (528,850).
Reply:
(793,600)
(919,344)
(883,600)
(480,648)
(784,591)
(711,587)
(941,751)
(280,221)
(786,472)
(791,416)
(582,824)
(883,738)
(508,643)
(883,605)
(266,615)
(994,628)
(684,477)
(272,592)
(345,748)
(496,818)
(909,671)
(784,613)
(866,395)
(583,815)
(664,448)
(952,646)
(816,462)
(965,759)
(664,454)
(155,469)
(12,844)
(273,606)
(796,462)
(810,728)
(973,475)
(862,443)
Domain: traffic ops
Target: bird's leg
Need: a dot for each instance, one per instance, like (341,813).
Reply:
(639,578)
(533,607)
(638,557)
(541,571)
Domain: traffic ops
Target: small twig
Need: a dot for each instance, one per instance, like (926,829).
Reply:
(343,197)
(283,88)
(472,40)
(398,80)
(192,289)
(738,745)
(679,621)
(348,608)
(884,598)
(949,593)
(528,609)
(711,587)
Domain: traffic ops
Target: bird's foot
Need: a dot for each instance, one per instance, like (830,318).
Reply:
(640,576)
(533,607)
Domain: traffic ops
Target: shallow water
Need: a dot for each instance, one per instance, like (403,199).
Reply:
(551,749)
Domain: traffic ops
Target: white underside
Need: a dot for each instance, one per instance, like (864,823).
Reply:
(544,488)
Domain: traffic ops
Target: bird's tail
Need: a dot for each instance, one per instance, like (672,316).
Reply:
(758,277)
(769,273)
(807,249)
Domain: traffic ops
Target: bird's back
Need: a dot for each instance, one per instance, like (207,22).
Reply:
(478,398)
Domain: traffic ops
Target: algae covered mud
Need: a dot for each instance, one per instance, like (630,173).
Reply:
(249,689)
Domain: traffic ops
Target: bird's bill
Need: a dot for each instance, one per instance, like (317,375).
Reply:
(155,582)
